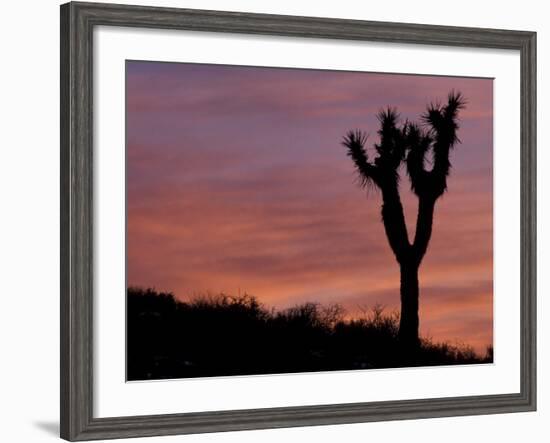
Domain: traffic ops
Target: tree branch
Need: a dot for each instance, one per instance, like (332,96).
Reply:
(394,223)
(444,125)
(424,223)
(391,149)
(368,173)
(418,143)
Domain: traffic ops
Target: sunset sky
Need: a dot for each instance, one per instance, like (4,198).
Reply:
(237,182)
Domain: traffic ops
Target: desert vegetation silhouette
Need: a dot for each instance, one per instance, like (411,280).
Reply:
(222,335)
(415,145)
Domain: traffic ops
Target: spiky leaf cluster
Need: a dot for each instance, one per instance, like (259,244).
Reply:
(409,143)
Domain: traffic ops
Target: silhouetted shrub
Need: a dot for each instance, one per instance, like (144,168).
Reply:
(225,335)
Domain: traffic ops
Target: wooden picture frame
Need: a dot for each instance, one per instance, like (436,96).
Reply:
(77,23)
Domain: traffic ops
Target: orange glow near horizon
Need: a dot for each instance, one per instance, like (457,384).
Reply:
(237,183)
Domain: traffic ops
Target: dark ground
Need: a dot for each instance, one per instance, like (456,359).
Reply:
(224,335)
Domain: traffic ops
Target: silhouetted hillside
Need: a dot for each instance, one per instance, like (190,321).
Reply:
(225,335)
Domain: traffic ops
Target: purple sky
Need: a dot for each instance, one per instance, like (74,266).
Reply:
(237,182)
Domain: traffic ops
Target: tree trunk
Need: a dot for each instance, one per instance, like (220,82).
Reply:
(409,264)
(408,325)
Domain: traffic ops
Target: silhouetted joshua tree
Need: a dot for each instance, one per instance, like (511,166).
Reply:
(411,144)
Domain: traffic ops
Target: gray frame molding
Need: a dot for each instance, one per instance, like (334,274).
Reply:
(77,23)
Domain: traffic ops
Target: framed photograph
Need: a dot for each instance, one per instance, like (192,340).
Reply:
(273,221)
